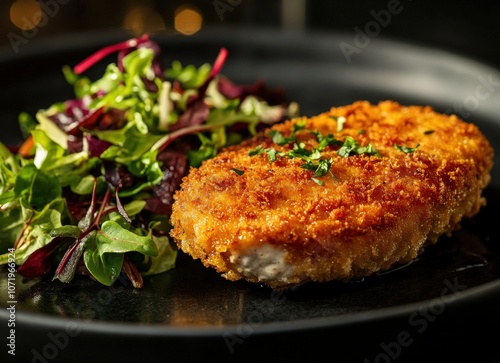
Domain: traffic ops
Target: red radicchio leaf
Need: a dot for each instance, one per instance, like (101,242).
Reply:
(196,114)
(75,111)
(72,120)
(75,145)
(96,146)
(112,119)
(174,168)
(39,262)
(258,89)
(86,122)
(229,89)
(116,175)
(176,87)
(150,85)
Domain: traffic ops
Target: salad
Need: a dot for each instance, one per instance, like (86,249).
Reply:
(89,190)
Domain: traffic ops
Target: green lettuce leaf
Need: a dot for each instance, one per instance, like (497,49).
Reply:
(34,225)
(165,260)
(36,187)
(105,248)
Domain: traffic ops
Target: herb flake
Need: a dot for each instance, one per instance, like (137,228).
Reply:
(352,147)
(406,149)
(238,171)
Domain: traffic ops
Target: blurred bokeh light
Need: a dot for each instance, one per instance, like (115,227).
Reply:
(188,20)
(143,19)
(25,14)
(470,27)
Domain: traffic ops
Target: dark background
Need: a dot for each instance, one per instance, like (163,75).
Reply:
(467,27)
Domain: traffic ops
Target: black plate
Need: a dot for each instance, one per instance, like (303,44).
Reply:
(447,298)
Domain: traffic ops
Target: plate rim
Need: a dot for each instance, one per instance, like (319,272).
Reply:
(479,292)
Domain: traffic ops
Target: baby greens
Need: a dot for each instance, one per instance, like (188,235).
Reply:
(90,189)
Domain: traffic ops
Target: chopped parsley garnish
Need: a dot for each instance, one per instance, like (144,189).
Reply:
(257,151)
(317,181)
(278,137)
(406,149)
(238,171)
(313,160)
(320,169)
(325,141)
(271,155)
(352,147)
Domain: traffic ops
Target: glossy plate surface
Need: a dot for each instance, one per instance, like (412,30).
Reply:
(193,313)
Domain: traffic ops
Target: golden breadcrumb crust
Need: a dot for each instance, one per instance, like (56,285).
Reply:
(376,212)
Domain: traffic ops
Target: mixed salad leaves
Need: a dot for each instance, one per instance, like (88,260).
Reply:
(89,190)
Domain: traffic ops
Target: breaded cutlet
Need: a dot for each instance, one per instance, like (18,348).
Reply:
(286,207)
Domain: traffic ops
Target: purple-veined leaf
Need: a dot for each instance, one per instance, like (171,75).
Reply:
(120,208)
(67,267)
(39,263)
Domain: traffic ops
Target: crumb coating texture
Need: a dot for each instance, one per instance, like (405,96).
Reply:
(375,213)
